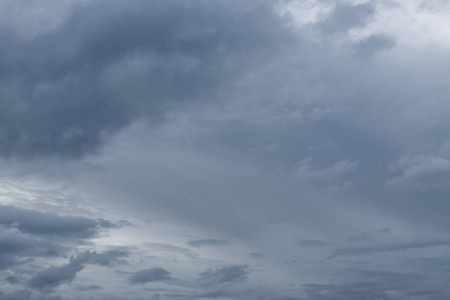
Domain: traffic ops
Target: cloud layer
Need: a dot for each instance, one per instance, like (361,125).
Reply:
(194,149)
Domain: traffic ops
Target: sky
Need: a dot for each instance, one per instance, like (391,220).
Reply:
(226,149)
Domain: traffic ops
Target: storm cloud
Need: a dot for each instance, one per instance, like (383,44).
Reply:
(17,247)
(51,224)
(25,234)
(67,90)
(53,277)
(281,149)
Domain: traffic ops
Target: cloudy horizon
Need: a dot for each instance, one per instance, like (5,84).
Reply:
(197,149)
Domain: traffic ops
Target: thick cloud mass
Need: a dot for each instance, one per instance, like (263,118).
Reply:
(226,149)
(52,277)
(29,233)
(41,223)
(16,244)
(110,62)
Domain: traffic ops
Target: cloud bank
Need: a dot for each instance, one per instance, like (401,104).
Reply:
(193,149)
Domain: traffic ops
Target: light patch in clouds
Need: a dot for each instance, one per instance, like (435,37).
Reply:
(91,287)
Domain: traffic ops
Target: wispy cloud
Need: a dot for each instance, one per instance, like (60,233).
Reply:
(390,247)
(207,242)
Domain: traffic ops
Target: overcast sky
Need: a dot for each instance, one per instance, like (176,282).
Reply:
(224,149)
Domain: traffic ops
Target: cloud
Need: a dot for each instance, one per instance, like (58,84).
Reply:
(378,284)
(90,287)
(257,255)
(285,298)
(431,264)
(393,280)
(26,294)
(351,291)
(236,273)
(207,242)
(16,244)
(223,119)
(51,224)
(399,246)
(149,275)
(213,294)
(48,279)
(339,168)
(118,225)
(52,277)
(374,44)
(332,178)
(28,234)
(314,243)
(420,173)
(68,90)
(13,279)
(169,249)
(345,16)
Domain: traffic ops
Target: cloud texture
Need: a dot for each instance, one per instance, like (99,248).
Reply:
(194,149)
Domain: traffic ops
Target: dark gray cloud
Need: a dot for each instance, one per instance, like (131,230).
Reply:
(284,298)
(374,44)
(65,91)
(17,247)
(439,264)
(90,287)
(352,291)
(13,279)
(149,275)
(28,234)
(314,243)
(399,246)
(213,294)
(236,273)
(52,277)
(51,224)
(118,225)
(22,294)
(26,294)
(390,280)
(257,255)
(48,279)
(261,131)
(208,242)
(209,295)
(345,16)
(379,285)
